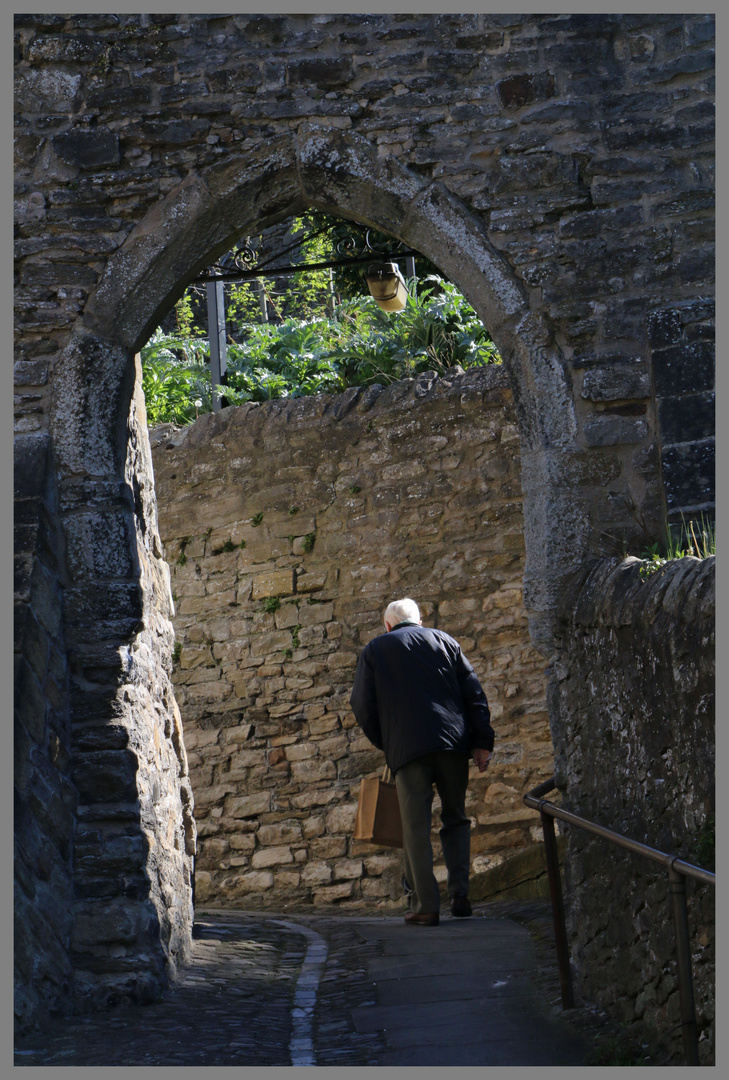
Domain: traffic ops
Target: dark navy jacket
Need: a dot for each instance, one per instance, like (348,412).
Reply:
(415,693)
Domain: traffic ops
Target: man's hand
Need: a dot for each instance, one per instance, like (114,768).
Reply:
(481,757)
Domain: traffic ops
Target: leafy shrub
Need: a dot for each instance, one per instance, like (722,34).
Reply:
(358,346)
(175,378)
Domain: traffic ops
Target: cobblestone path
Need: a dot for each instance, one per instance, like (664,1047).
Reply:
(234,1005)
(275,989)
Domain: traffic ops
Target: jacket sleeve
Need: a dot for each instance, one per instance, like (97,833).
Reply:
(478,713)
(364,700)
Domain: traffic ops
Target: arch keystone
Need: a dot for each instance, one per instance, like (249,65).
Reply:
(343,174)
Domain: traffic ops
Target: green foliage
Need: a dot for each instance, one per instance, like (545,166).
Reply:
(184,316)
(242,305)
(311,293)
(176,652)
(293,510)
(354,489)
(338,236)
(182,557)
(175,378)
(308,542)
(689,538)
(271,604)
(229,546)
(358,346)
(257,519)
(295,635)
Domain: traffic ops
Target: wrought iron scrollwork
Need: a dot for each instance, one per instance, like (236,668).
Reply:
(349,248)
(242,263)
(243,258)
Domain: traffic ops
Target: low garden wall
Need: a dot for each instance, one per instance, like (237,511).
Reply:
(288,527)
(635,692)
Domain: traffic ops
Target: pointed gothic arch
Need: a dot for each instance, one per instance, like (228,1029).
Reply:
(341,174)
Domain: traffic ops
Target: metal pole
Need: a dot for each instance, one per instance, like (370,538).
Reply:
(410,268)
(555,892)
(332,301)
(216,336)
(262,300)
(683,955)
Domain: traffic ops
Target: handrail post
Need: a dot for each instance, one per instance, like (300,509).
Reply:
(555,892)
(683,955)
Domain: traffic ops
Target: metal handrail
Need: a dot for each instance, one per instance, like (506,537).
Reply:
(678,871)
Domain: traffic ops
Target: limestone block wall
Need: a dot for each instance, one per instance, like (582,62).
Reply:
(288,527)
(635,691)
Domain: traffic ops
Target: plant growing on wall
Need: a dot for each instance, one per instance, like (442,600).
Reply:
(695,538)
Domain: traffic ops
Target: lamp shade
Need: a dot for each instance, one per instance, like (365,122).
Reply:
(387,286)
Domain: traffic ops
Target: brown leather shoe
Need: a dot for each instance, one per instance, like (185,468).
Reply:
(425,918)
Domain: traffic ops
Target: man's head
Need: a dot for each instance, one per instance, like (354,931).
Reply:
(401,611)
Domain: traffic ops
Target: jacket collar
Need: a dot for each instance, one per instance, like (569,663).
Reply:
(405,622)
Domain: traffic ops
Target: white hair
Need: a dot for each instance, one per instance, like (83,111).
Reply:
(402,611)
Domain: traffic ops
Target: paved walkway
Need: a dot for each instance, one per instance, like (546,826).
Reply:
(342,989)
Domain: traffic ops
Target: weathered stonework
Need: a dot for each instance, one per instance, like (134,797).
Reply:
(559,168)
(135,830)
(45,796)
(324,509)
(104,809)
(635,691)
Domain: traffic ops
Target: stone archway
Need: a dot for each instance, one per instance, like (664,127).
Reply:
(117,606)
(342,174)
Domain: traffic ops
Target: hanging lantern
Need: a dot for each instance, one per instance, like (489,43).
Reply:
(387,286)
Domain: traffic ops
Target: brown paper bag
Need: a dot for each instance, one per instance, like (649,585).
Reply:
(378,813)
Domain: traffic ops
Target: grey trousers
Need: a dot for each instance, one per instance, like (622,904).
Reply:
(449,772)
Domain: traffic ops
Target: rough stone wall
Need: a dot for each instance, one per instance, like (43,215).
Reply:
(581,144)
(682,358)
(324,509)
(45,796)
(635,691)
(105,831)
(135,831)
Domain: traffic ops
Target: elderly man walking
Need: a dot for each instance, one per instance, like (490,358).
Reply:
(416,697)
